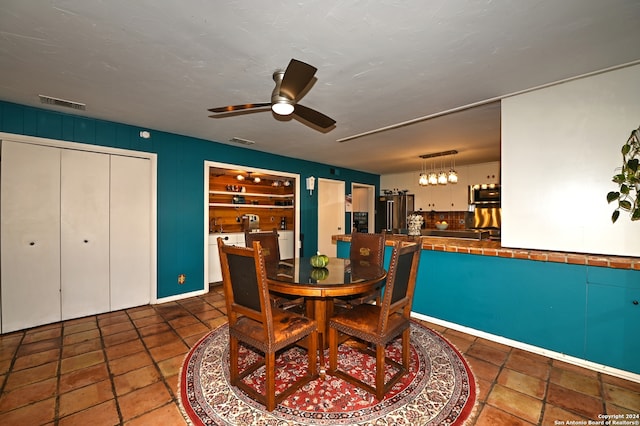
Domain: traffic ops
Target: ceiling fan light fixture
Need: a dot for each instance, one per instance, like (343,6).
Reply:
(282,108)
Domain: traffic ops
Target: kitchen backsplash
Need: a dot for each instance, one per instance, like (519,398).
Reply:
(455,219)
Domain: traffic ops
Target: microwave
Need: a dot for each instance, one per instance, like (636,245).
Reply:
(484,194)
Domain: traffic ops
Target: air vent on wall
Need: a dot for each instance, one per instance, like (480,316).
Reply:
(241,141)
(48,100)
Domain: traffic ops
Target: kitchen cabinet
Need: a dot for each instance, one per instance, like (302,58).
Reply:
(230,238)
(449,197)
(484,173)
(75,234)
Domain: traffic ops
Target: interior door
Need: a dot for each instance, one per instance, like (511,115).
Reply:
(331,212)
(130,232)
(84,233)
(30,211)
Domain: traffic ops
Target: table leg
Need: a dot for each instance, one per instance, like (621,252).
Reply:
(321,309)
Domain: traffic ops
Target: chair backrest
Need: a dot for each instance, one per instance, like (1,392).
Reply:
(244,280)
(367,248)
(401,282)
(268,242)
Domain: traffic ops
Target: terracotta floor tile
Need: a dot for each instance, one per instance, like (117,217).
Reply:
(154,329)
(38,335)
(192,340)
(483,369)
(38,413)
(520,382)
(160,339)
(460,343)
(124,349)
(554,416)
(516,403)
(490,416)
(575,402)
(130,362)
(85,397)
(575,381)
(9,345)
(171,367)
(148,320)
(529,366)
(116,328)
(495,345)
(118,338)
(80,327)
(193,329)
(28,394)
(484,387)
(172,381)
(167,415)
(40,346)
(135,379)
(81,361)
(216,322)
(112,318)
(626,384)
(530,355)
(141,312)
(36,359)
(622,397)
(487,353)
(575,368)
(143,400)
(209,315)
(169,350)
(81,348)
(31,375)
(101,414)
(82,336)
(83,377)
(183,321)
(5,364)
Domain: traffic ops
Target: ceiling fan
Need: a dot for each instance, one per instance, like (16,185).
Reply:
(284,98)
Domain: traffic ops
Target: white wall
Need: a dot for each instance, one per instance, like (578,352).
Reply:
(560,149)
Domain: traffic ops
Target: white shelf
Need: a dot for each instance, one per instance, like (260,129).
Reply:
(251,194)
(249,205)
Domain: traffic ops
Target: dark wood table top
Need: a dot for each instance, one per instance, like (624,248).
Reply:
(340,278)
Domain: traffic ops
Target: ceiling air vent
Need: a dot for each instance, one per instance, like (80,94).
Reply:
(48,100)
(241,141)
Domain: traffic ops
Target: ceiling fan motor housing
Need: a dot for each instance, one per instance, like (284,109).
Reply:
(280,104)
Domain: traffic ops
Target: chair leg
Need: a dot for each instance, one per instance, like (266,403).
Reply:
(313,353)
(270,389)
(333,349)
(233,360)
(406,334)
(380,371)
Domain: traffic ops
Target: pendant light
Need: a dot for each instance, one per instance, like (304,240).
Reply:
(422,180)
(440,178)
(453,175)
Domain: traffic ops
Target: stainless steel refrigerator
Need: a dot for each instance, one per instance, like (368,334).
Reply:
(392,212)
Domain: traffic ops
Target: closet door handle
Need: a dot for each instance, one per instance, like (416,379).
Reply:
(86,241)
(32,243)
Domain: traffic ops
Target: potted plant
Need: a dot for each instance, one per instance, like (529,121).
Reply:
(628,179)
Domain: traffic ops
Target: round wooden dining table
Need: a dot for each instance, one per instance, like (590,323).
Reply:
(319,286)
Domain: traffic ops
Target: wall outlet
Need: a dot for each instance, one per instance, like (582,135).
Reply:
(182,278)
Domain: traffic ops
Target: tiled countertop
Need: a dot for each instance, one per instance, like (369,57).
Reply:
(494,248)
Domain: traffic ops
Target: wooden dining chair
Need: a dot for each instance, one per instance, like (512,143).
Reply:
(378,325)
(253,321)
(367,249)
(271,250)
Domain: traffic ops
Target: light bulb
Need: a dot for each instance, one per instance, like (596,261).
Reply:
(282,108)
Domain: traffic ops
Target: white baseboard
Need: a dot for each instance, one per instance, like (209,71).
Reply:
(179,297)
(627,375)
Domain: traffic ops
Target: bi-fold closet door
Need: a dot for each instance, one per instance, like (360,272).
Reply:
(75,233)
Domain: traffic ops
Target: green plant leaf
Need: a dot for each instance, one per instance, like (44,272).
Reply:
(625,205)
(619,178)
(615,216)
(624,189)
(612,196)
(626,148)
(636,214)
(633,164)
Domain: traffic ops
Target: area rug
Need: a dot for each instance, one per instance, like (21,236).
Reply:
(438,390)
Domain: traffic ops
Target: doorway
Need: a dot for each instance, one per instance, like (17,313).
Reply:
(331,211)
(363,202)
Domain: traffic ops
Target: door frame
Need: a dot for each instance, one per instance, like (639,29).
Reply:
(371,197)
(324,213)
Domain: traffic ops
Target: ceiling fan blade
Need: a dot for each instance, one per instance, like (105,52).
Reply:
(296,77)
(231,108)
(313,116)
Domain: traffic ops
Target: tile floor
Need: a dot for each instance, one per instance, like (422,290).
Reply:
(122,368)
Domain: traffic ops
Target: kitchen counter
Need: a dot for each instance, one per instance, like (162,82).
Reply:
(494,248)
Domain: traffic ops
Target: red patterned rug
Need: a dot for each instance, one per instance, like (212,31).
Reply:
(438,390)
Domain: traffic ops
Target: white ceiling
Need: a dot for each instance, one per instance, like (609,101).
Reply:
(162,64)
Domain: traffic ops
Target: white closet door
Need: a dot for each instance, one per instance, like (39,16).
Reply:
(130,232)
(30,204)
(84,231)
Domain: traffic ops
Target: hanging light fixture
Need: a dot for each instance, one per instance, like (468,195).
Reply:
(422,180)
(441,178)
(453,175)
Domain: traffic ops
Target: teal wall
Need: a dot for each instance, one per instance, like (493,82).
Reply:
(588,312)
(180,182)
